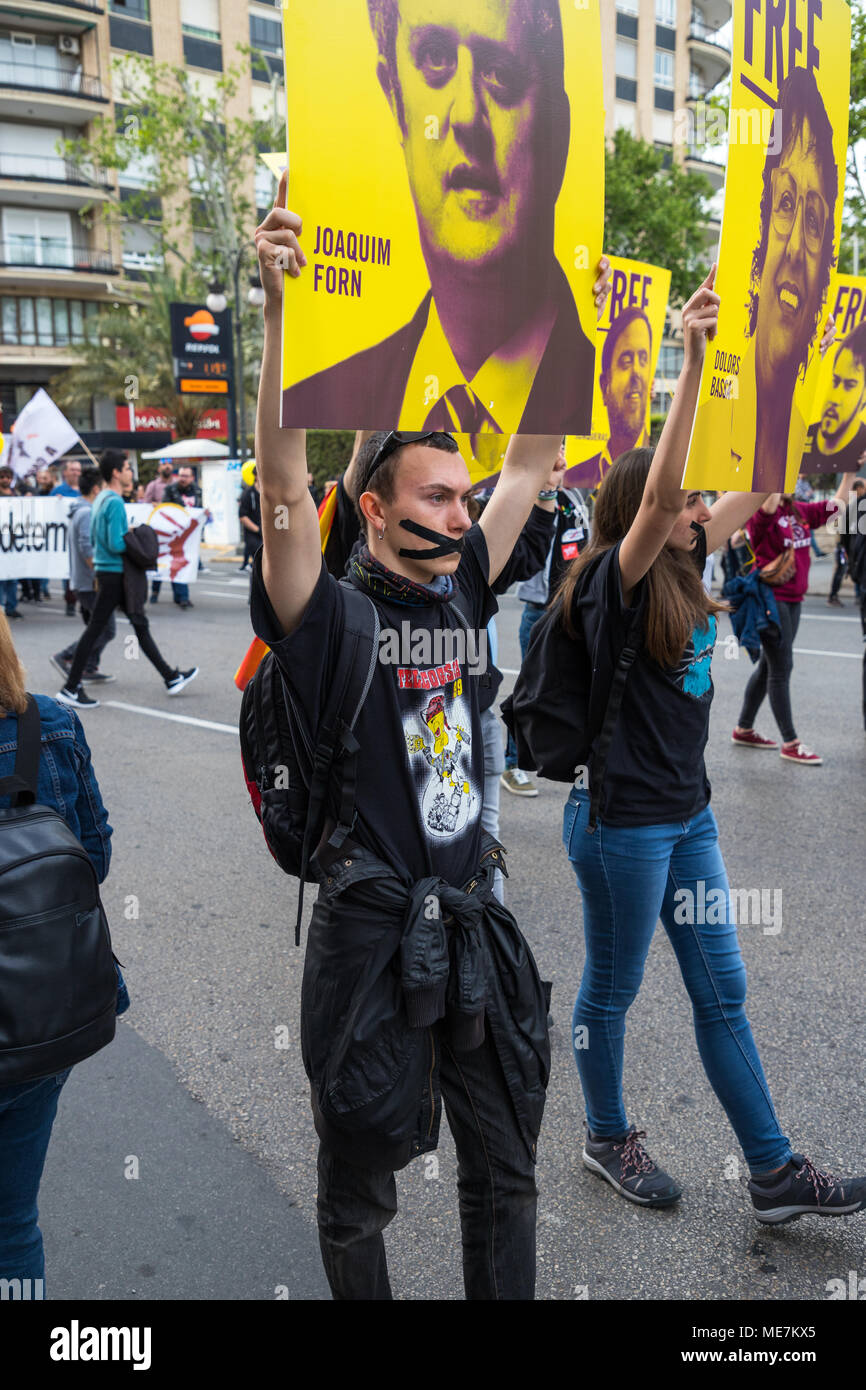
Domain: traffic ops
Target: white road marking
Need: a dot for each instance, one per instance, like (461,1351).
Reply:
(811,651)
(175,718)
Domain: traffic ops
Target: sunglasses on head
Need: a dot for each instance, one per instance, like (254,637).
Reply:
(394,440)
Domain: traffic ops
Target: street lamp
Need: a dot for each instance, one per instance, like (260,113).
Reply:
(217,303)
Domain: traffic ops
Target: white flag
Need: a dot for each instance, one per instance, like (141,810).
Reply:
(40,435)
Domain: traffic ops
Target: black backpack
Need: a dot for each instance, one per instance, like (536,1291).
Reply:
(58,984)
(288,778)
(548,712)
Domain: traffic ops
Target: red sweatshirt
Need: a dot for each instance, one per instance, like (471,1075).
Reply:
(771,534)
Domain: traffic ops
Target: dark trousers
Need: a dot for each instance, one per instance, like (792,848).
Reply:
(495,1185)
(863,625)
(772,675)
(839,572)
(110,596)
(87,599)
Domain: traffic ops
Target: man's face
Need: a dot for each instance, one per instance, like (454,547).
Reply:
(846,399)
(126,479)
(432,488)
(72,472)
(5,483)
(44,481)
(789,291)
(165,471)
(474,134)
(184,477)
(626,386)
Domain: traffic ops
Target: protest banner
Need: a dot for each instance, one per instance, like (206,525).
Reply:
(449,164)
(628,340)
(787,146)
(179,530)
(41,434)
(34,537)
(836,437)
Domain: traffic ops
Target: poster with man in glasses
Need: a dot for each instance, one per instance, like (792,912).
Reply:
(788,138)
(447,157)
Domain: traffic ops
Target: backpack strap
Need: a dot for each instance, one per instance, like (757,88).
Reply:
(21,785)
(356,665)
(611,715)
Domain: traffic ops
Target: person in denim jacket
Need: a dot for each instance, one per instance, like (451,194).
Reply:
(68,784)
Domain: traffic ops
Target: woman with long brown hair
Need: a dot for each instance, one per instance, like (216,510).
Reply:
(67,783)
(654,851)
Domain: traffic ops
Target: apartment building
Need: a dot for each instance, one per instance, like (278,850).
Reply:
(661,58)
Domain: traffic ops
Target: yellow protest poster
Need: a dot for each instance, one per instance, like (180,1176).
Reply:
(788,138)
(628,339)
(836,437)
(447,157)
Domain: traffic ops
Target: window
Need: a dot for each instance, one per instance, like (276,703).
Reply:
(131,9)
(200,18)
(624,115)
(36,238)
(664,68)
(627,6)
(666,13)
(266,34)
(626,58)
(670,360)
(45,322)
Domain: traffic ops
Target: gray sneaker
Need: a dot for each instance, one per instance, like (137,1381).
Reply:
(627,1166)
(517,782)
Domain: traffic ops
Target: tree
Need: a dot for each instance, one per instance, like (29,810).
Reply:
(655,210)
(854,215)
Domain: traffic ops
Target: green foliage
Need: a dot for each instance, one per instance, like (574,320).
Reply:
(328,453)
(854,215)
(655,214)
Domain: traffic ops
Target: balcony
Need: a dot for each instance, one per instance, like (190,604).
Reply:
(710,55)
(49,181)
(136,264)
(699,160)
(52,263)
(43,93)
(53,16)
(715,14)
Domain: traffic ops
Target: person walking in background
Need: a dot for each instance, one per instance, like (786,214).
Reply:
(66,783)
(250,517)
(783,525)
(570,536)
(9,587)
(81,577)
(108,530)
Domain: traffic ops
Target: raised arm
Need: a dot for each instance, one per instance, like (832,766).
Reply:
(663,498)
(292,557)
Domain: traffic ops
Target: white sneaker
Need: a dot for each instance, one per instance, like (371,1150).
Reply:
(518,782)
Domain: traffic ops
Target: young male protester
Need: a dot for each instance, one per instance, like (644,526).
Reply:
(81,579)
(418,985)
(108,529)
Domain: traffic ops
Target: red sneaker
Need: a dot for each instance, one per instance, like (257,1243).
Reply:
(799,753)
(751,739)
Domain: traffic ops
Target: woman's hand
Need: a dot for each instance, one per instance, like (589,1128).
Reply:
(700,320)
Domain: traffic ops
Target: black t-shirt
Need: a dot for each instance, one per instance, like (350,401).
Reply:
(655,768)
(421,760)
(846,461)
(250,507)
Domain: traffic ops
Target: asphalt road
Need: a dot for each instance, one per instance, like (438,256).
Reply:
(220,1198)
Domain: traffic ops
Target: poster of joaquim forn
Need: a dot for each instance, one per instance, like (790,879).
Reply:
(447,159)
(788,138)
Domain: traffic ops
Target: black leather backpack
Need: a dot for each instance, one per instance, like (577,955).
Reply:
(58,984)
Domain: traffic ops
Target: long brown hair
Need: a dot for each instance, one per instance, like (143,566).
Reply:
(13,692)
(677,600)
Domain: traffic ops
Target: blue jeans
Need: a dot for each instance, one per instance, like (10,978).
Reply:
(491,733)
(628,877)
(9,589)
(27,1113)
(180,592)
(531,613)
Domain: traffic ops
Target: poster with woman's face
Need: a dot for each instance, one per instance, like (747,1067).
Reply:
(447,159)
(788,139)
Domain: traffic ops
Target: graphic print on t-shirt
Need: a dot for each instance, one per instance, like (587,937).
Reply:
(693,672)
(438,740)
